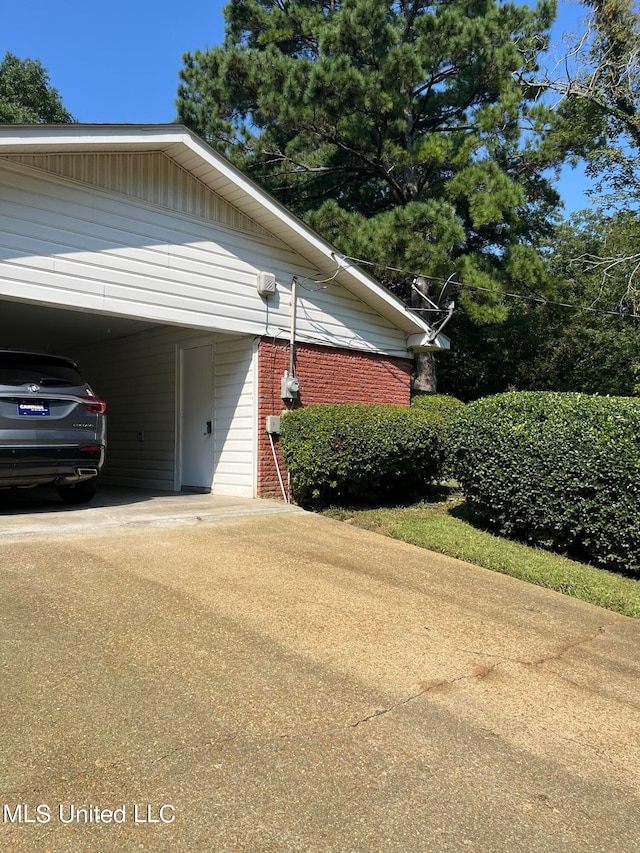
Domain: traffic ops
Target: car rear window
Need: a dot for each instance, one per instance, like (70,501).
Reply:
(24,369)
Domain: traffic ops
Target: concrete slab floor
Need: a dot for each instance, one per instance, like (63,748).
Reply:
(31,512)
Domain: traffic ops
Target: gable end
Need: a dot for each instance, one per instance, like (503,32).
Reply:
(146,176)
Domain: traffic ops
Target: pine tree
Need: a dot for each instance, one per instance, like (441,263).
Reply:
(394,128)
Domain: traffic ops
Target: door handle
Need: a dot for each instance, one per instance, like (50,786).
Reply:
(209,430)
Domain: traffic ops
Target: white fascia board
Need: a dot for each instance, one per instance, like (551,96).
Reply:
(66,138)
(61,138)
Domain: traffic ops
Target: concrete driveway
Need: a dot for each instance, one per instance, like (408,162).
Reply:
(283,682)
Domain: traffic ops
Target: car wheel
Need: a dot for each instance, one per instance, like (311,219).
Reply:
(78,493)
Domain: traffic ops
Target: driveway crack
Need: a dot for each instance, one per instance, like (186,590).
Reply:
(427,687)
(213,742)
(567,647)
(545,658)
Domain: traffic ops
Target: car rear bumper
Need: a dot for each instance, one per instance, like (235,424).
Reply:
(30,466)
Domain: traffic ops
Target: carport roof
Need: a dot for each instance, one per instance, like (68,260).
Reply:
(216,172)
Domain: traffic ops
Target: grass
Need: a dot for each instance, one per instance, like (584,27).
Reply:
(444,527)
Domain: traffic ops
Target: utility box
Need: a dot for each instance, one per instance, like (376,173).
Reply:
(290,387)
(266,284)
(273,424)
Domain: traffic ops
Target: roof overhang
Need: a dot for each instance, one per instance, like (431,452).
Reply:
(222,177)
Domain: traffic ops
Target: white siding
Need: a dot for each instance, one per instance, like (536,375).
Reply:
(234,417)
(82,247)
(148,176)
(136,375)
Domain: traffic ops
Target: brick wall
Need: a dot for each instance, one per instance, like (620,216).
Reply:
(326,376)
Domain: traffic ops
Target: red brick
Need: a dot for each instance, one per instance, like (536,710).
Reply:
(326,375)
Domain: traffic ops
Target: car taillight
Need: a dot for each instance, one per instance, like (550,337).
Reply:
(92,404)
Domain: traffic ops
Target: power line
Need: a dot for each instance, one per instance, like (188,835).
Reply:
(541,300)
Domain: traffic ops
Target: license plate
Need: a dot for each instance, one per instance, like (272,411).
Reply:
(34,410)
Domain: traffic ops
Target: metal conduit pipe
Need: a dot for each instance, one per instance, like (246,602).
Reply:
(275,459)
(292,334)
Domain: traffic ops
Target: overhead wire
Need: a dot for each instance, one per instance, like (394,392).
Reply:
(531,298)
(541,300)
(325,282)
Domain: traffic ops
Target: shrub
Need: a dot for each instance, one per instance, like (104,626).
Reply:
(360,453)
(438,405)
(557,470)
(443,410)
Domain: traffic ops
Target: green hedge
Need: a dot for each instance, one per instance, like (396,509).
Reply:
(360,454)
(443,410)
(438,405)
(557,470)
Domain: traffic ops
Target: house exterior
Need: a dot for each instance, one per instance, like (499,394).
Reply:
(180,287)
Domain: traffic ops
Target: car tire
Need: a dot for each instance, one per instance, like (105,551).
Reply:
(78,493)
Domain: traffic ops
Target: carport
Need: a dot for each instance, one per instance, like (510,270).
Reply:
(170,392)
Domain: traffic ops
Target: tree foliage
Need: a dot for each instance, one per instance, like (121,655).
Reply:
(599,100)
(393,128)
(594,260)
(26,95)
(593,347)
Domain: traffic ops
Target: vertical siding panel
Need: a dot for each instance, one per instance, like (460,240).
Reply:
(149,176)
(234,417)
(136,376)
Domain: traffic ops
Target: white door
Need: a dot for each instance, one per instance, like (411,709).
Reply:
(196,418)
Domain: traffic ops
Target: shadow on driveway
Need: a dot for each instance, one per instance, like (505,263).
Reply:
(40,510)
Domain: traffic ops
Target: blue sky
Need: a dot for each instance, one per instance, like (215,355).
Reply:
(119,61)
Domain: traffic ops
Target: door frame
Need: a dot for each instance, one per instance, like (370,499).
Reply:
(180,347)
